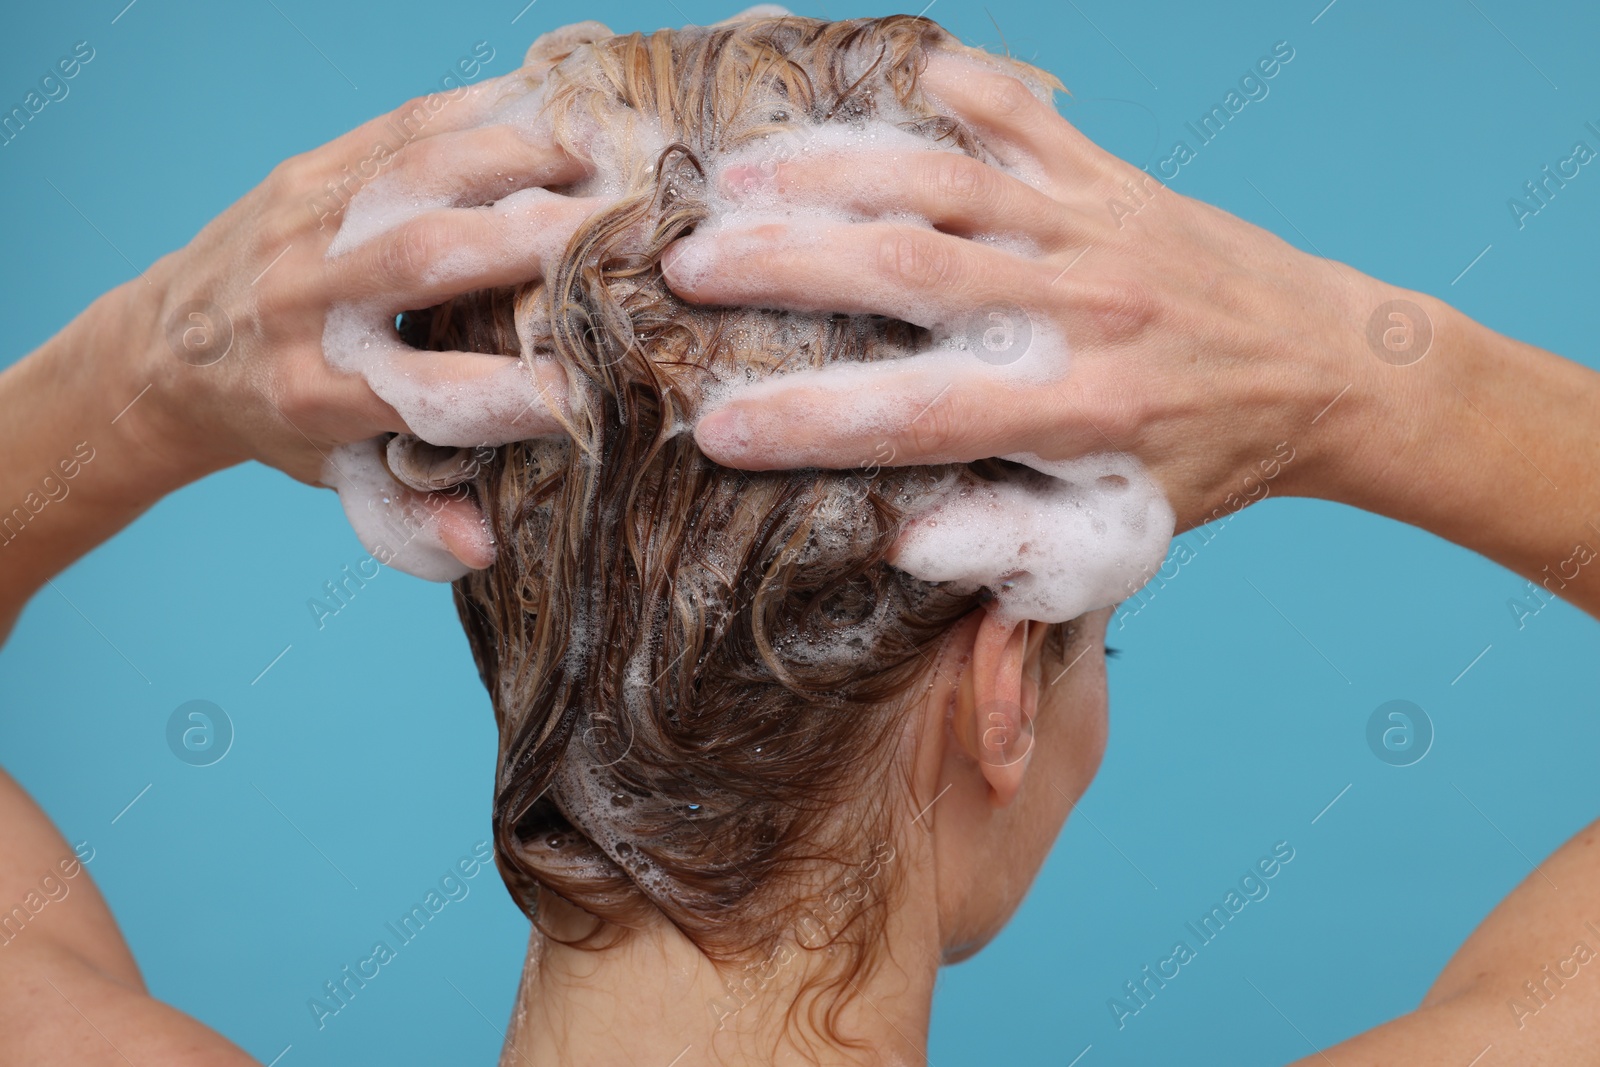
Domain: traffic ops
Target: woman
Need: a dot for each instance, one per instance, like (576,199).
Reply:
(755,784)
(738,926)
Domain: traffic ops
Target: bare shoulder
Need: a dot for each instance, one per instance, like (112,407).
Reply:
(1523,989)
(70,992)
(58,1009)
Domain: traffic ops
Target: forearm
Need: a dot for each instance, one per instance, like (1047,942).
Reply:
(1490,443)
(82,459)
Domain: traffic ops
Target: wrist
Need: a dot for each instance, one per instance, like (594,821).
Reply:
(122,344)
(1376,400)
(82,457)
(1479,439)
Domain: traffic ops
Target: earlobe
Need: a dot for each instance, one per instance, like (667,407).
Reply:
(997,702)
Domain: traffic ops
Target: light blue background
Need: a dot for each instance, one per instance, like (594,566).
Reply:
(1392,140)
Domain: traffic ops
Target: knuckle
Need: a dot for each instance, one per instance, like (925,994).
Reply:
(1121,309)
(507,143)
(419,111)
(410,250)
(933,433)
(294,175)
(1008,97)
(411,158)
(279,227)
(958,179)
(915,262)
(425,158)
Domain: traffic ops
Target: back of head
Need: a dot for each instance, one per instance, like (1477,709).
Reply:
(699,674)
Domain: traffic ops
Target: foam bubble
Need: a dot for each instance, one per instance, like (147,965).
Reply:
(389,199)
(1081,535)
(442,410)
(764,11)
(1072,537)
(395,526)
(360,337)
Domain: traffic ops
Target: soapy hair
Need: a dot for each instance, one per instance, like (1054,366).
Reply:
(699,674)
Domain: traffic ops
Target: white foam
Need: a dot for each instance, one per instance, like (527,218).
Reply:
(390,522)
(1087,535)
(768,214)
(763,11)
(1052,548)
(360,337)
(459,412)
(384,204)
(1079,535)
(761,220)
(391,199)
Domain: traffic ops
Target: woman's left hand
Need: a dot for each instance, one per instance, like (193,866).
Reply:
(1123,316)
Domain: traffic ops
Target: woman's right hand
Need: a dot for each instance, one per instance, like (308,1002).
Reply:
(215,354)
(228,332)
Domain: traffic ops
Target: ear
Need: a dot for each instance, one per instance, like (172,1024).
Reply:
(997,701)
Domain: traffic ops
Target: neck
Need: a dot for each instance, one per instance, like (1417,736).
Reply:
(654,998)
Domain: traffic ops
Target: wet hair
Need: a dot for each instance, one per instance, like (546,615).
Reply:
(700,675)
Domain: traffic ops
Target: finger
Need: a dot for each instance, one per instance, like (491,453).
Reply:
(552,47)
(461,399)
(462,530)
(348,167)
(437,536)
(428,468)
(452,399)
(420,117)
(445,253)
(953,192)
(933,408)
(1010,118)
(478,165)
(917,275)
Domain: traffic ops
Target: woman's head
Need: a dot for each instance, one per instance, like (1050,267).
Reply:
(719,703)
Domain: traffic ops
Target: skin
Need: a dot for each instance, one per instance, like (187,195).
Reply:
(979,807)
(155,422)
(1199,343)
(976,818)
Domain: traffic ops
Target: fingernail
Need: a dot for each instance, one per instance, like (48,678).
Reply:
(745,178)
(723,435)
(684,263)
(671,255)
